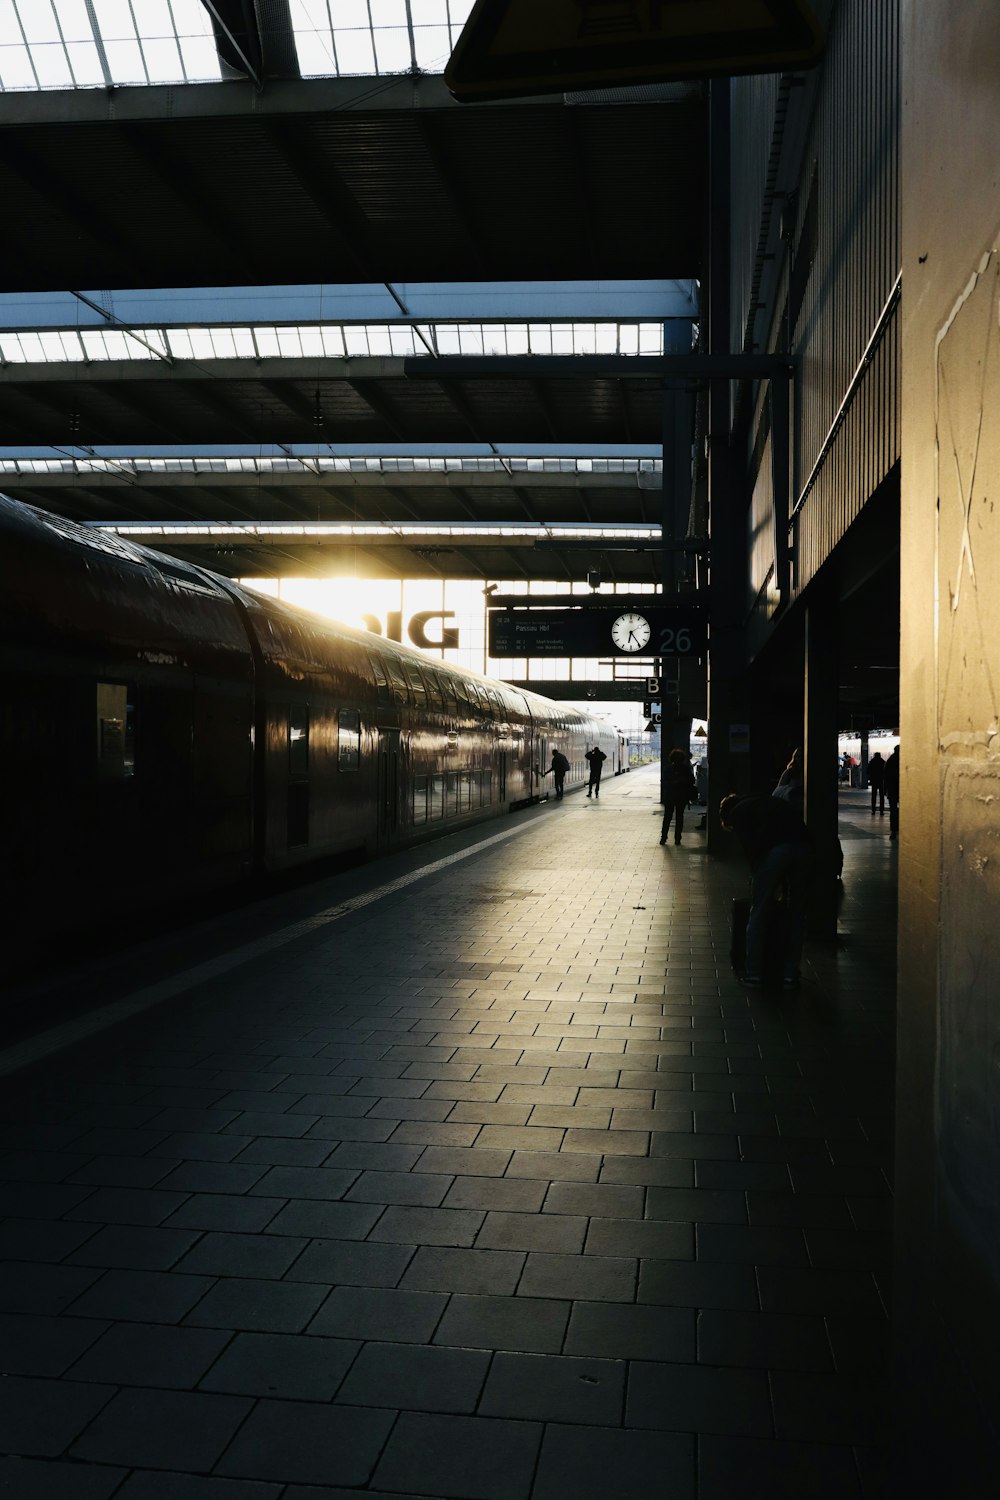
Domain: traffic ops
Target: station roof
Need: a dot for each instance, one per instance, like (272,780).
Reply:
(188,146)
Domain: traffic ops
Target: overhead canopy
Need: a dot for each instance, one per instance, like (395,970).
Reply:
(344,179)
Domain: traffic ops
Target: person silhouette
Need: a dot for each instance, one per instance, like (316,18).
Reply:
(557,770)
(890,780)
(595,759)
(679,791)
(876,780)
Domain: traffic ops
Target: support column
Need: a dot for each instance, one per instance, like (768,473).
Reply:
(678,422)
(820,744)
(728,747)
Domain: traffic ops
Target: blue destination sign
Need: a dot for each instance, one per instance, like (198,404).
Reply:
(621,630)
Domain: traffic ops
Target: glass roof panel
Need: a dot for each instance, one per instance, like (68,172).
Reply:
(258,464)
(48,44)
(297,341)
(330,341)
(345,37)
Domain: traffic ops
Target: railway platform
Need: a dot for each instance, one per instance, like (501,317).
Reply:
(473,1174)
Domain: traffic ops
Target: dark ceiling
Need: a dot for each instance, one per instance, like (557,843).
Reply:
(303,401)
(344,180)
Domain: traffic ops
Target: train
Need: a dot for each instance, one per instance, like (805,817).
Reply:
(167,733)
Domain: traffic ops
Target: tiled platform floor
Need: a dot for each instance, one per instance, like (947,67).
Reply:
(497,1186)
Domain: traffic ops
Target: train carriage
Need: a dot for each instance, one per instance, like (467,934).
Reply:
(165,732)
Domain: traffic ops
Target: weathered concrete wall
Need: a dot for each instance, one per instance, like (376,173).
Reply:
(947,1285)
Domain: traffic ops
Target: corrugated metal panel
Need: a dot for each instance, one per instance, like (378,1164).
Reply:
(844,449)
(842,291)
(753,104)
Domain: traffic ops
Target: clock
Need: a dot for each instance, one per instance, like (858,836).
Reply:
(630,632)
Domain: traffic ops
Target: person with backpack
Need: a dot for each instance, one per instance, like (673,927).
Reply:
(595,759)
(680,790)
(558,768)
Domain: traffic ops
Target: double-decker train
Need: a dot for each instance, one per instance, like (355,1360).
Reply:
(165,733)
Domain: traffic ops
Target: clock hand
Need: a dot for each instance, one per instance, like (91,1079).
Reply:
(633,637)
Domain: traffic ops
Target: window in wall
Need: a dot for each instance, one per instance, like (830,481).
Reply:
(348,740)
(115,731)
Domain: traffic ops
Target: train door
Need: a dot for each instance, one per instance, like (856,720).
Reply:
(502,777)
(388,787)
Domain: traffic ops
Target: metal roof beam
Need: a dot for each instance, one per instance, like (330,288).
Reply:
(445,369)
(400,93)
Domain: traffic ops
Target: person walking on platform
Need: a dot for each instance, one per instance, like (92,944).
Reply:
(679,791)
(890,780)
(778,847)
(876,780)
(595,759)
(558,769)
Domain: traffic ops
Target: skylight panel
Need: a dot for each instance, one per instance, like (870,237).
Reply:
(116,341)
(90,43)
(432,46)
(360,37)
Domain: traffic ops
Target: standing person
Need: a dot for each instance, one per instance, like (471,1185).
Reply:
(876,780)
(890,780)
(595,759)
(777,845)
(701,785)
(680,790)
(558,769)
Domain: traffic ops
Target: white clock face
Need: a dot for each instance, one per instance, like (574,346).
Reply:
(630,632)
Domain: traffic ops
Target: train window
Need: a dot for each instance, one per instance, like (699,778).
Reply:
(448,697)
(115,731)
(416,682)
(298,739)
(465,791)
(475,788)
(487,788)
(348,740)
(419,799)
(436,802)
(451,805)
(397,682)
(381,680)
